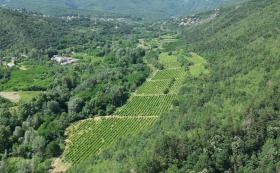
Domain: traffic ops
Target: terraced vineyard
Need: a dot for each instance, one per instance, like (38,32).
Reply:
(90,136)
(146,105)
(150,100)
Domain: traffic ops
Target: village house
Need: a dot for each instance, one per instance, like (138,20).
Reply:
(63,60)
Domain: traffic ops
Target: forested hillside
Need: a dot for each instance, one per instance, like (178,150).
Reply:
(136,8)
(202,96)
(108,66)
(224,121)
(20,31)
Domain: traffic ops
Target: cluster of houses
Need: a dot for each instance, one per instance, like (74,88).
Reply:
(63,60)
(9,64)
(192,20)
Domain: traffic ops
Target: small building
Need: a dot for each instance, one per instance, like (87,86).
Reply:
(11,64)
(63,60)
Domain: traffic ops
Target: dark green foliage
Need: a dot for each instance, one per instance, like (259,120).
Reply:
(53,149)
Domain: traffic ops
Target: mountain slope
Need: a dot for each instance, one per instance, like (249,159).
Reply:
(147,8)
(226,121)
(19,30)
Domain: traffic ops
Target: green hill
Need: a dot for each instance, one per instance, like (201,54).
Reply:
(147,8)
(20,30)
(226,120)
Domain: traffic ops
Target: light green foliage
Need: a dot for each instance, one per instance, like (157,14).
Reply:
(169,73)
(158,87)
(146,105)
(91,136)
(153,87)
(27,96)
(169,61)
(196,59)
(198,67)
(176,86)
(36,77)
(197,70)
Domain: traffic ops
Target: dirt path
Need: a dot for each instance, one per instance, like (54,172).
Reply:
(59,166)
(12,96)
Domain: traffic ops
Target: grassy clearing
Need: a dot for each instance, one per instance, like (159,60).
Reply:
(169,74)
(196,59)
(198,69)
(28,95)
(169,61)
(199,65)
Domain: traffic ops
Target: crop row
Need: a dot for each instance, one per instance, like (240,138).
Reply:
(153,87)
(146,105)
(158,87)
(90,137)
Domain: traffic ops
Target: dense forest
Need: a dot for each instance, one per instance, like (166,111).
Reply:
(225,120)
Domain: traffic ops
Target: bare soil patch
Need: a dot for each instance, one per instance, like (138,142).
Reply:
(12,96)
(59,166)
(23,67)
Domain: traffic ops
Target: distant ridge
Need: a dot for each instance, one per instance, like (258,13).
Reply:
(136,8)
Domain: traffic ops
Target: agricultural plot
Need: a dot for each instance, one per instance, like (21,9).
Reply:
(168,61)
(153,87)
(89,137)
(169,74)
(146,105)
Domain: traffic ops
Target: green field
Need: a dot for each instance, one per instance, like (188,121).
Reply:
(158,87)
(91,136)
(28,95)
(169,61)
(199,65)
